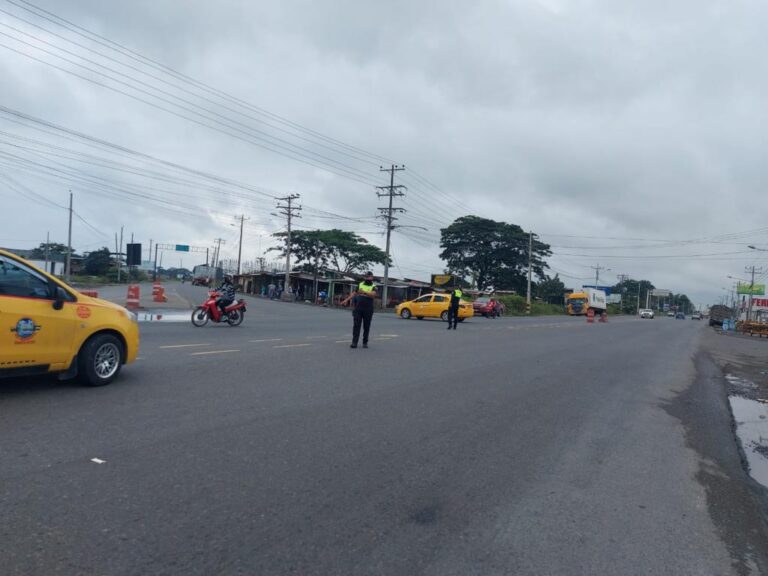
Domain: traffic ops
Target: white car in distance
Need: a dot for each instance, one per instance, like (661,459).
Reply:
(646,313)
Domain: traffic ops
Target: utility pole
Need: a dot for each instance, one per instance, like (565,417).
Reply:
(154,275)
(287,208)
(261,261)
(387,214)
(120,256)
(752,270)
(217,251)
(597,270)
(639,284)
(47,251)
(117,259)
(240,245)
(69,241)
(530,260)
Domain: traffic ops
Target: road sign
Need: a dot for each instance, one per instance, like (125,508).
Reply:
(133,254)
(661,293)
(182,247)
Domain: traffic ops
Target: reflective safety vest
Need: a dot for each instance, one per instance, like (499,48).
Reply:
(363,287)
(458,293)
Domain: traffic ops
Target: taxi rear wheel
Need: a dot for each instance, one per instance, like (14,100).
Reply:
(100,359)
(444,316)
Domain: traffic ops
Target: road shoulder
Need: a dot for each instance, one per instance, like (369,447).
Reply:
(737,504)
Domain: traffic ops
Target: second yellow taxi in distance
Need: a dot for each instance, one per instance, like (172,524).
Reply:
(432,306)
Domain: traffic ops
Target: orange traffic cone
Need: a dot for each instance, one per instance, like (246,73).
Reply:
(132,298)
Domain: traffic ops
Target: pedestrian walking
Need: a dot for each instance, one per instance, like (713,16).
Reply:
(453,308)
(271,290)
(363,298)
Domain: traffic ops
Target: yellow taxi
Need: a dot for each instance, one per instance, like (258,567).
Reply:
(432,306)
(47,326)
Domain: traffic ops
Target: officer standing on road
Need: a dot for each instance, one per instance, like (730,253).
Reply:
(363,299)
(453,309)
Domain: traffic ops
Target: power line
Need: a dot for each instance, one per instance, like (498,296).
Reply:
(137,57)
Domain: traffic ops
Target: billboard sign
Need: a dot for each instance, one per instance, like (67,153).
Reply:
(443,281)
(661,293)
(759,303)
(606,289)
(754,289)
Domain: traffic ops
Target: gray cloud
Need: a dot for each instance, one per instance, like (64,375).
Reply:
(606,119)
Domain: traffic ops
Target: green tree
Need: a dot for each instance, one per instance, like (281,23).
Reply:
(98,262)
(681,303)
(54,249)
(491,253)
(551,290)
(629,290)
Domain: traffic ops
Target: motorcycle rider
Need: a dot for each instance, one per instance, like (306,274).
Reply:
(226,293)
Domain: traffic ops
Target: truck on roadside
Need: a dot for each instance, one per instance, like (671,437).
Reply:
(204,275)
(718,313)
(581,302)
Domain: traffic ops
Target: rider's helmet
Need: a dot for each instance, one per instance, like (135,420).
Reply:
(228,278)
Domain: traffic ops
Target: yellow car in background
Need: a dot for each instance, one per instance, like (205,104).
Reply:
(48,327)
(432,306)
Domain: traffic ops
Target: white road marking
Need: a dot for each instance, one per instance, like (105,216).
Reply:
(342,341)
(184,346)
(292,346)
(267,340)
(316,337)
(98,461)
(213,352)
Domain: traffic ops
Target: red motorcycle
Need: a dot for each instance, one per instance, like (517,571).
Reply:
(233,314)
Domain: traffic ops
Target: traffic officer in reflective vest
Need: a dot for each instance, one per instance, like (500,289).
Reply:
(363,299)
(453,309)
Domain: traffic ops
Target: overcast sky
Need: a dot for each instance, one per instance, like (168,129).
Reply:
(629,135)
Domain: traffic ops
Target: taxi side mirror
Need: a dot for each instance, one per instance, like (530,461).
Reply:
(59,297)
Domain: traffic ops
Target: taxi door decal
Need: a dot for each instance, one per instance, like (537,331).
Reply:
(25,330)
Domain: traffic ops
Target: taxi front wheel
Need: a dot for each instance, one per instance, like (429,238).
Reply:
(100,359)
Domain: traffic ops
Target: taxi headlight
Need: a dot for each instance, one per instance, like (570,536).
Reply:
(132,316)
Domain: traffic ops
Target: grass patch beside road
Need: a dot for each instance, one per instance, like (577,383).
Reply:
(515,306)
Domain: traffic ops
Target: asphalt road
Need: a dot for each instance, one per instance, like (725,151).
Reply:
(510,446)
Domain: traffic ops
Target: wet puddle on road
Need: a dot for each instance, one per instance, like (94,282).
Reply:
(751,419)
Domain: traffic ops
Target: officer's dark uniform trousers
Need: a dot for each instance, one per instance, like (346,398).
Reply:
(363,317)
